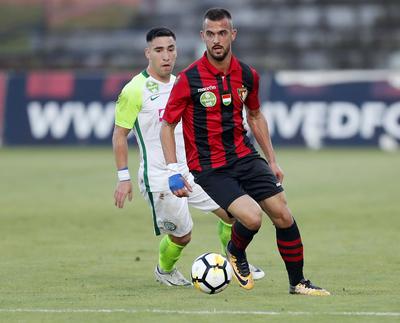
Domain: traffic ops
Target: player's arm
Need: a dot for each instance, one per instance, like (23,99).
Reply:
(173,112)
(120,148)
(127,108)
(177,183)
(259,127)
(167,137)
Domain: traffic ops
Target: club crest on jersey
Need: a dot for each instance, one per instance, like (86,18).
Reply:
(226,99)
(242,92)
(208,99)
(169,226)
(152,86)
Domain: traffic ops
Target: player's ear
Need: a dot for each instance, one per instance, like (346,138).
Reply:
(202,34)
(234,33)
(147,52)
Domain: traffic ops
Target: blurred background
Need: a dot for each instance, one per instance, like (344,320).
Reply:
(330,88)
(329,68)
(273,35)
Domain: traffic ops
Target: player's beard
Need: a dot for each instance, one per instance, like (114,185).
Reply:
(220,58)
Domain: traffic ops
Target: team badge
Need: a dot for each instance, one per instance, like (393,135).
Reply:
(152,86)
(242,92)
(226,99)
(169,226)
(208,99)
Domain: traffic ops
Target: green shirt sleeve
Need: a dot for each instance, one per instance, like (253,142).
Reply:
(129,103)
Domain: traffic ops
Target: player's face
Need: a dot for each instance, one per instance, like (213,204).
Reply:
(218,37)
(161,54)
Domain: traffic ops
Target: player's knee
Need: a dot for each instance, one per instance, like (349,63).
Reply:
(185,239)
(254,223)
(253,219)
(247,211)
(282,217)
(182,241)
(224,215)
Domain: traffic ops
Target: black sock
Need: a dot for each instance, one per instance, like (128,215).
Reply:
(291,250)
(240,238)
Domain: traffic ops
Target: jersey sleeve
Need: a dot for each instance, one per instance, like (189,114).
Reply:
(252,101)
(128,105)
(178,100)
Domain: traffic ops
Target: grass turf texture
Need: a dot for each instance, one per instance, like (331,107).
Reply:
(64,246)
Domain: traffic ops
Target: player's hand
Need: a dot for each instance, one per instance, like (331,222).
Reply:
(179,186)
(277,171)
(123,190)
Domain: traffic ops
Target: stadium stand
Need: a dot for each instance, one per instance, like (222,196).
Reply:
(273,35)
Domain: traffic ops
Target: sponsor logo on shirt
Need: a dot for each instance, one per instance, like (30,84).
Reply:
(152,98)
(208,88)
(208,99)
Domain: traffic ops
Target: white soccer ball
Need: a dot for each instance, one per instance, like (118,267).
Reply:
(211,273)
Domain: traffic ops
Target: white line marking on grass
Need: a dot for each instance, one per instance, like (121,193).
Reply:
(215,312)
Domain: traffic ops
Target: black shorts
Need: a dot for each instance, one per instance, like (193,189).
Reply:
(249,175)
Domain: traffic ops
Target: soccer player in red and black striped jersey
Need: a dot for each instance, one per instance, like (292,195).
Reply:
(209,97)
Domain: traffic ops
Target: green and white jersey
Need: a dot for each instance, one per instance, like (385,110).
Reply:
(140,107)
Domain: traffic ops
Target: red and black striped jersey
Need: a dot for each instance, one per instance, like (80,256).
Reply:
(210,105)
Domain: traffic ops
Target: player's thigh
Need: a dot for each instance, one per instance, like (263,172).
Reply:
(221,187)
(199,199)
(170,213)
(247,211)
(257,178)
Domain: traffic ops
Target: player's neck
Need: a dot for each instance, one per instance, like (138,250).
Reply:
(222,66)
(153,74)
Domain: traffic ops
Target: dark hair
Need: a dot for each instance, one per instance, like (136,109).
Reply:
(159,32)
(216,14)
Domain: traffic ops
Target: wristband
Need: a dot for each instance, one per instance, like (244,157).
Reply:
(123,174)
(173,168)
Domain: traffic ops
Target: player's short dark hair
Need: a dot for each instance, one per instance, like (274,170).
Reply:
(159,32)
(216,14)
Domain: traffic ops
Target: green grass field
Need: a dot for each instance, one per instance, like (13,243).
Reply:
(68,255)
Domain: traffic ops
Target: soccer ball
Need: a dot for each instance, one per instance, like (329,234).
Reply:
(211,273)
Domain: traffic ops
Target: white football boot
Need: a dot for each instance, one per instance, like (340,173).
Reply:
(257,273)
(173,278)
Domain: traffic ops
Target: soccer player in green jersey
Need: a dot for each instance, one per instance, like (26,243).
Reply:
(140,108)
